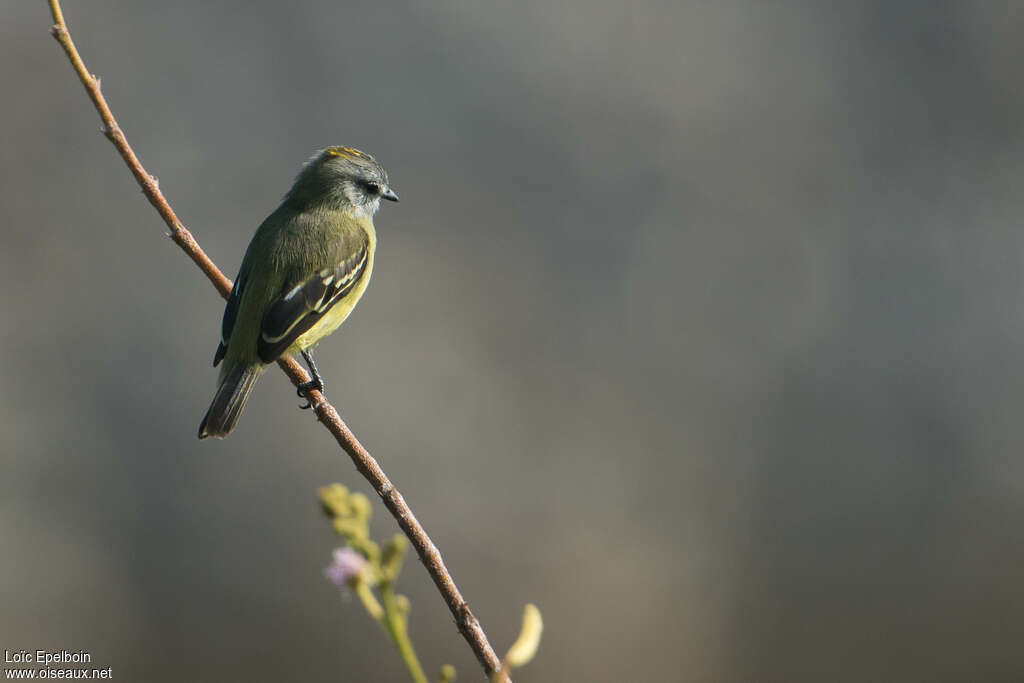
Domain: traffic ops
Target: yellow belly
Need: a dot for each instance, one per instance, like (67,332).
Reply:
(339,311)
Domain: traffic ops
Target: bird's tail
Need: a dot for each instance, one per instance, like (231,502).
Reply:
(228,402)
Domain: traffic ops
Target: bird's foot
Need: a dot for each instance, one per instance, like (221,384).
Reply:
(303,390)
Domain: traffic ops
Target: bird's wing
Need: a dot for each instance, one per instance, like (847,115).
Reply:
(230,313)
(302,305)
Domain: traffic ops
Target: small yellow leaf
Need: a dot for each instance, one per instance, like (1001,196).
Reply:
(525,647)
(360,506)
(334,498)
(447,674)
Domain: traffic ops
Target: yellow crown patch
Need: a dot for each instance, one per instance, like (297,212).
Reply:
(344,152)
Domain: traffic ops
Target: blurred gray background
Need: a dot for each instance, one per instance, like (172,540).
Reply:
(699,325)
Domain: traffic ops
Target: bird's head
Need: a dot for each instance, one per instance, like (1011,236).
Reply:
(344,178)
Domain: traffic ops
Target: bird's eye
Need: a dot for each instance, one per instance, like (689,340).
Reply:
(372,187)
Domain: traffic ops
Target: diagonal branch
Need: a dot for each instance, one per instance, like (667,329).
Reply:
(325,412)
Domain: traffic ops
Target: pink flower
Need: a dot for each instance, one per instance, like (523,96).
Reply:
(347,567)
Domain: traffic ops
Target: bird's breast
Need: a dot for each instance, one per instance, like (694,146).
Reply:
(338,313)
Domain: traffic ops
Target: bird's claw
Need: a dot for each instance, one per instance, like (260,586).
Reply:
(305,387)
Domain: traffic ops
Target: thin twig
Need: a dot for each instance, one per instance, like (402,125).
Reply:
(325,412)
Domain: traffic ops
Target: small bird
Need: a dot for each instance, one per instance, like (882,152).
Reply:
(303,273)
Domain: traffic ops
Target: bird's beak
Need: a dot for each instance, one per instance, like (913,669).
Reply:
(389,195)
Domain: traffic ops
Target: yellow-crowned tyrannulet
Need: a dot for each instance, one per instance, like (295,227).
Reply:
(305,269)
